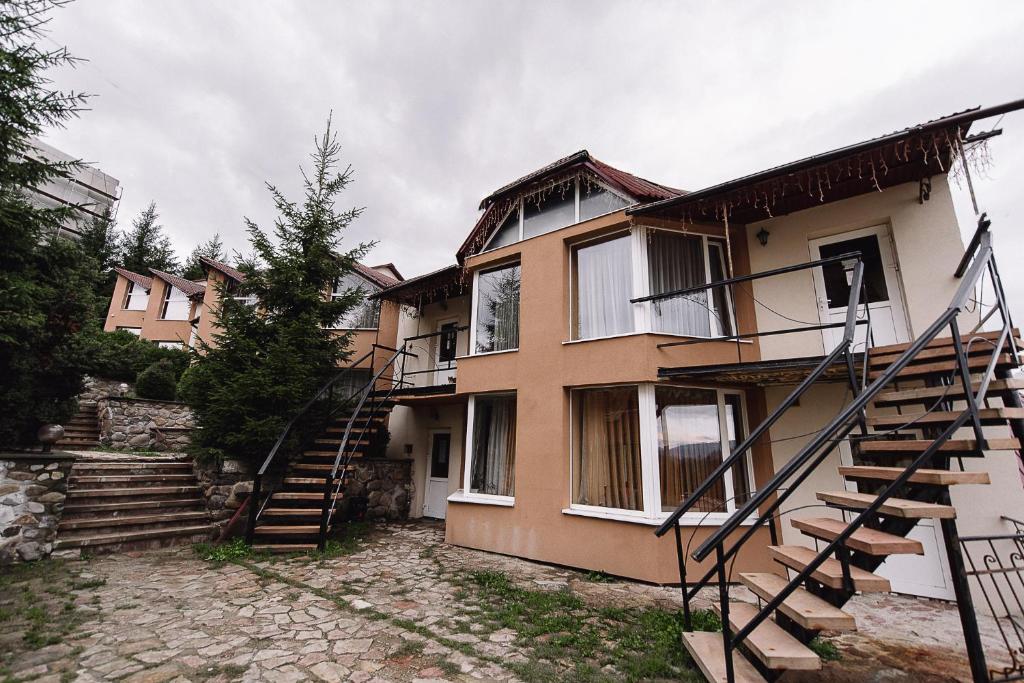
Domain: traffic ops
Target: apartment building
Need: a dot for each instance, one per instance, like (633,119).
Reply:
(93,193)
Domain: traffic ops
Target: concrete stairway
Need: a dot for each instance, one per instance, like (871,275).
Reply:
(131,504)
(83,430)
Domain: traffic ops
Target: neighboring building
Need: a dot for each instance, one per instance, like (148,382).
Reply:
(552,416)
(91,191)
(175,312)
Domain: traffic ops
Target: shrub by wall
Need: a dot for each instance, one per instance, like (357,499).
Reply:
(158,381)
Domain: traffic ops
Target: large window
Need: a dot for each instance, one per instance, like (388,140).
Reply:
(678,261)
(366,314)
(570,201)
(603,284)
(136,298)
(496,314)
(642,450)
(176,304)
(492,446)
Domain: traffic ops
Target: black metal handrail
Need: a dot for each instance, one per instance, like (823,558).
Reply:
(333,484)
(255,507)
(817,450)
(450,365)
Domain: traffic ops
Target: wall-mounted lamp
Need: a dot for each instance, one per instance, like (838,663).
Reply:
(762,237)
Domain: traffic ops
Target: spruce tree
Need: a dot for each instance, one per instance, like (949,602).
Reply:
(145,245)
(270,358)
(100,242)
(46,286)
(213,248)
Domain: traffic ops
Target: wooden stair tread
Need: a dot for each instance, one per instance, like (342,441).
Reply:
(974,363)
(131,505)
(921,476)
(904,446)
(128,536)
(876,359)
(941,341)
(987,415)
(126,478)
(954,392)
(769,642)
(320,467)
(830,572)
(136,491)
(284,547)
(310,481)
(89,465)
(287,529)
(301,495)
(69,523)
(293,512)
(808,610)
(894,507)
(708,651)
(869,541)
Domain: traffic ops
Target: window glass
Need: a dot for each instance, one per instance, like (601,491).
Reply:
(736,434)
(136,298)
(837,275)
(508,233)
(365,315)
(606,459)
(676,261)
(597,201)
(497,310)
(176,304)
(439,452)
(549,210)
(170,345)
(603,279)
(137,331)
(689,446)
(721,314)
(494,445)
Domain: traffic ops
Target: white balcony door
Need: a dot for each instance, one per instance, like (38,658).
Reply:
(881,279)
(445,350)
(435,498)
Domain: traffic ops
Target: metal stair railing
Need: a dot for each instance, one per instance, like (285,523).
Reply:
(843,350)
(256,507)
(821,446)
(345,454)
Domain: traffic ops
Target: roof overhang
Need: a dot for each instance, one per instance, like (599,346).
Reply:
(446,283)
(759,373)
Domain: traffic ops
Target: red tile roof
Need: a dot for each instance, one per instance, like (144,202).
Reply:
(640,189)
(191,289)
(140,280)
(392,268)
(374,276)
(232,273)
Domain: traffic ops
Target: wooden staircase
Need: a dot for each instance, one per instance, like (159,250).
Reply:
(132,503)
(83,430)
(908,416)
(290,518)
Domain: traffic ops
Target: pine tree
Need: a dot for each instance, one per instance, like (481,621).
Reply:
(100,242)
(46,286)
(211,249)
(145,245)
(272,357)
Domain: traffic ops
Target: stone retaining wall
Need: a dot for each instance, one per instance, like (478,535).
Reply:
(384,485)
(224,486)
(32,491)
(96,388)
(143,424)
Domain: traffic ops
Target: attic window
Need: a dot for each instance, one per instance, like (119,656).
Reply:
(565,203)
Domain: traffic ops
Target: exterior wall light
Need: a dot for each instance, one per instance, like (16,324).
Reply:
(762,237)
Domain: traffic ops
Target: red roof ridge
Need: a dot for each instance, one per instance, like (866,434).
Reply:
(232,273)
(191,289)
(141,280)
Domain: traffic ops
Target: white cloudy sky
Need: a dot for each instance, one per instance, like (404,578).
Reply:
(439,103)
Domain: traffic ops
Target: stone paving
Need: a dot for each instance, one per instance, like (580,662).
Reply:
(390,612)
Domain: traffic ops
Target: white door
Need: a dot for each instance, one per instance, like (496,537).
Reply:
(881,280)
(445,349)
(435,499)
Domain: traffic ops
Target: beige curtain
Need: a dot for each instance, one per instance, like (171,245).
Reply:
(689,446)
(607,468)
(494,446)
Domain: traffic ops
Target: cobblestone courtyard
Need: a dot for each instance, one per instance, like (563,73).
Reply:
(401,609)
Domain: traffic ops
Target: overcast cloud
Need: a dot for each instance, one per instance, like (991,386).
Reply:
(437,104)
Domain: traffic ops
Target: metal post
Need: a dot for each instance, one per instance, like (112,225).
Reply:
(687,619)
(963,363)
(964,603)
(723,605)
(254,503)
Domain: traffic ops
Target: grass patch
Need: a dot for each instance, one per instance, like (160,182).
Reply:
(408,648)
(235,549)
(825,649)
(597,577)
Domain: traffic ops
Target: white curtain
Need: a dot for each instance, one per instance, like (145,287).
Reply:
(494,446)
(676,261)
(604,286)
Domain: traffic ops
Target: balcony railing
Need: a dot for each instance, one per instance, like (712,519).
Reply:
(432,370)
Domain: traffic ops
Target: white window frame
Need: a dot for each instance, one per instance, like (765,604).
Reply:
(135,290)
(520,204)
(370,292)
(176,345)
(475,299)
(168,299)
(137,331)
(650,467)
(464,495)
(643,312)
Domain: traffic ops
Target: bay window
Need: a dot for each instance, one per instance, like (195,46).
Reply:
(496,310)
(490,471)
(603,281)
(641,450)
(176,304)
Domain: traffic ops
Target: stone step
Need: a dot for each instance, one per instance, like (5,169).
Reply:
(776,648)
(75,523)
(893,507)
(129,536)
(955,392)
(708,651)
(869,541)
(137,505)
(830,572)
(921,476)
(809,611)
